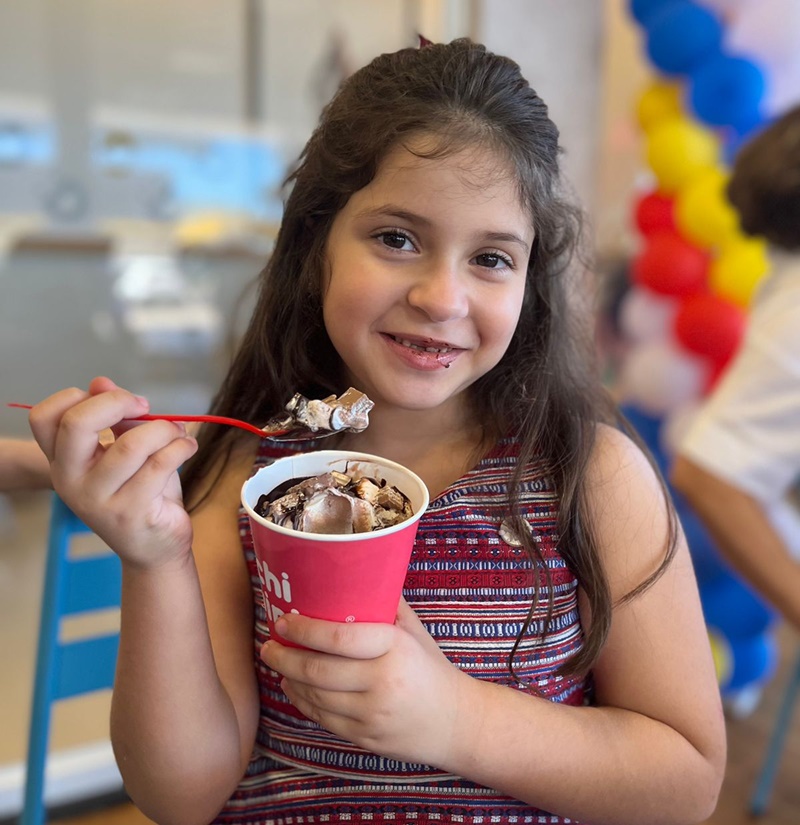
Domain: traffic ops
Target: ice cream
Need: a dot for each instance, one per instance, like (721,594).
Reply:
(335,503)
(350,411)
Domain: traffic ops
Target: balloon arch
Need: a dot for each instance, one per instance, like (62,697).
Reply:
(721,70)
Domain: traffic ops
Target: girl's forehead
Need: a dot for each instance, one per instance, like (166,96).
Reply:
(477,164)
(476,173)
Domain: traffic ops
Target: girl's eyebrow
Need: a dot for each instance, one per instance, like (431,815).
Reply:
(391,211)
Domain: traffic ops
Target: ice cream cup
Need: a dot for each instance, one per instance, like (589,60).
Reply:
(344,578)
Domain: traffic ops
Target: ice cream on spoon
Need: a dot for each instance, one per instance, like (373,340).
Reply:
(349,411)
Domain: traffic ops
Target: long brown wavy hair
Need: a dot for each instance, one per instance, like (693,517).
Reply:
(545,388)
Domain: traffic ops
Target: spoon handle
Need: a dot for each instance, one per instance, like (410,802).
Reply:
(206,419)
(209,419)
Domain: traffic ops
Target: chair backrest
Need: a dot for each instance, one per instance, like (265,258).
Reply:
(65,668)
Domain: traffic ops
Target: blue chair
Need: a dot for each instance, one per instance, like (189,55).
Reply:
(769,769)
(64,669)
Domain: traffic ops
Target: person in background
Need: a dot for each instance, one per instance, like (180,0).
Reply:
(23,466)
(739,463)
(549,661)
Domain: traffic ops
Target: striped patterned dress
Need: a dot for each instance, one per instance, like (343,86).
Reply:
(472,591)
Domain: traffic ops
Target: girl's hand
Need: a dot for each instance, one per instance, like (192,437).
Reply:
(387,688)
(127,491)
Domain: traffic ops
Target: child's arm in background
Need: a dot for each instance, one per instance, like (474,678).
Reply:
(185,704)
(651,752)
(739,524)
(23,466)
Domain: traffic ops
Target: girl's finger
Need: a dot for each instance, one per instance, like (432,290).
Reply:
(128,455)
(155,473)
(356,640)
(45,417)
(102,384)
(320,670)
(333,711)
(80,427)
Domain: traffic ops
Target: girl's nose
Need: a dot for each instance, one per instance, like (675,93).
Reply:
(440,293)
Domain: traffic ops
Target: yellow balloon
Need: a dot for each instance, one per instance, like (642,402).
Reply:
(721,653)
(659,100)
(702,210)
(679,150)
(739,268)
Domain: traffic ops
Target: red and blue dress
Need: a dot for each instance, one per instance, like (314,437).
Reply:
(472,589)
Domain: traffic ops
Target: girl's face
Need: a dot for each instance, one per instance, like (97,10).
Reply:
(426,276)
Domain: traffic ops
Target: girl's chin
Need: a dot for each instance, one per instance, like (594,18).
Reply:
(414,398)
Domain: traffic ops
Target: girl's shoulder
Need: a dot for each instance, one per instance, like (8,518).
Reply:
(629,508)
(617,460)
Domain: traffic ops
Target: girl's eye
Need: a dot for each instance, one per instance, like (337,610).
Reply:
(394,240)
(493,260)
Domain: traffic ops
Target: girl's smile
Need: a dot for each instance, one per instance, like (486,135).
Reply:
(427,267)
(423,353)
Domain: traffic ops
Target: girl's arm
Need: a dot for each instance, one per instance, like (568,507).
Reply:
(23,466)
(185,705)
(651,752)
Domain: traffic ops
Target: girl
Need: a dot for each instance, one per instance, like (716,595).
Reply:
(550,653)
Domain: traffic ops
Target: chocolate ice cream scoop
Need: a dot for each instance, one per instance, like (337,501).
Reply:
(335,503)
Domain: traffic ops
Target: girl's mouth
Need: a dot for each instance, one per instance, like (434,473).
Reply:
(431,347)
(423,353)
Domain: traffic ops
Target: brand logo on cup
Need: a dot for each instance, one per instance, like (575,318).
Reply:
(279,588)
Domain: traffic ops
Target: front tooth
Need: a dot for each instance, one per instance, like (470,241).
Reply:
(406,343)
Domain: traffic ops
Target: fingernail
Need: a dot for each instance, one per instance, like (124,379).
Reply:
(280,626)
(142,400)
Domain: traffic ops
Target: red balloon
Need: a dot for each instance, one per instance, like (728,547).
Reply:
(711,326)
(654,212)
(715,375)
(670,265)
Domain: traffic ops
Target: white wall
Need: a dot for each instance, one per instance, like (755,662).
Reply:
(307,44)
(558,44)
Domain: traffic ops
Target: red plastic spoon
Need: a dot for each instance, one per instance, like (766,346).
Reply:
(278,429)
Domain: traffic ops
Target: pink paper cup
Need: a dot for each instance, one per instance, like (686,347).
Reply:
(343,578)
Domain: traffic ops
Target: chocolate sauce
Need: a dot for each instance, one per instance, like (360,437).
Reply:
(264,500)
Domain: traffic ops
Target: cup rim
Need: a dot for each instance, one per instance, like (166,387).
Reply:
(334,455)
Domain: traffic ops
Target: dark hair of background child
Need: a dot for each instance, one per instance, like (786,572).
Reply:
(765,183)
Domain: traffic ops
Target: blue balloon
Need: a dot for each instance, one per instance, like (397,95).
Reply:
(754,660)
(648,428)
(734,139)
(733,608)
(643,10)
(727,91)
(681,36)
